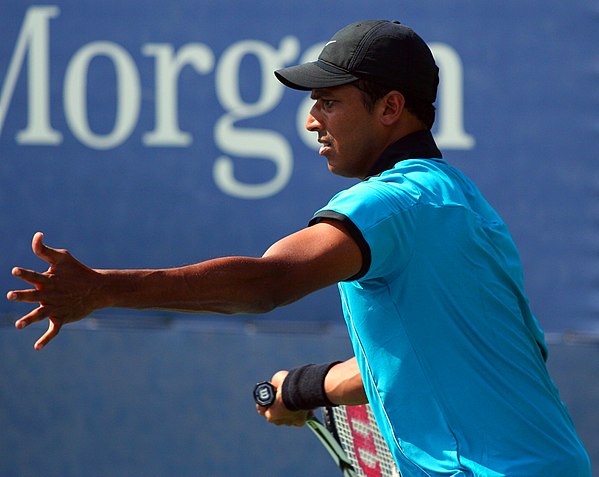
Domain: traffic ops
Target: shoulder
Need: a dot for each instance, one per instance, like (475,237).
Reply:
(409,183)
(399,187)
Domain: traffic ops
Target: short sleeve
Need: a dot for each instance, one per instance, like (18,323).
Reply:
(380,216)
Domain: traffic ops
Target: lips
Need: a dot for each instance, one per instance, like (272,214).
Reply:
(324,150)
(325,146)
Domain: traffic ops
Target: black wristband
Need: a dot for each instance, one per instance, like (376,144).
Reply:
(303,388)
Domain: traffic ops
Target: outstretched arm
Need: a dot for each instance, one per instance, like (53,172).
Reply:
(295,266)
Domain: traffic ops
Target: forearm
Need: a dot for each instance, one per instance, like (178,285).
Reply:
(310,386)
(316,385)
(225,285)
(343,384)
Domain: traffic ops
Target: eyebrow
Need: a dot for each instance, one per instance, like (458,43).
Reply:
(319,93)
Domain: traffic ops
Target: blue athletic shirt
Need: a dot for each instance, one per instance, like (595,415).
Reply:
(452,358)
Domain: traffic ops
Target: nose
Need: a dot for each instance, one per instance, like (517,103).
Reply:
(312,124)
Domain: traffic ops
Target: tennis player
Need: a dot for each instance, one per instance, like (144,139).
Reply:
(447,350)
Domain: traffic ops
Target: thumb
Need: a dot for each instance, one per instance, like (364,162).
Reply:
(44,252)
(278,378)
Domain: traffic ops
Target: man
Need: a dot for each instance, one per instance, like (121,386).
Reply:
(447,351)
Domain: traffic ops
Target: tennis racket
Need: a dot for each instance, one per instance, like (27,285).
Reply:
(349,434)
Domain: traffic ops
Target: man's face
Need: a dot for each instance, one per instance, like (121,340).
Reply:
(346,130)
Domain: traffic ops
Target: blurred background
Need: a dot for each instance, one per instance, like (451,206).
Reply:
(146,134)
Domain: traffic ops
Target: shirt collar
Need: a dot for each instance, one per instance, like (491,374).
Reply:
(417,145)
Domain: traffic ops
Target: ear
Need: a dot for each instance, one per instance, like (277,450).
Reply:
(391,107)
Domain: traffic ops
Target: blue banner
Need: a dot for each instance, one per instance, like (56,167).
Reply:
(153,134)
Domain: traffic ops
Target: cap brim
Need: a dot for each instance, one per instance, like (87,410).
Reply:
(311,76)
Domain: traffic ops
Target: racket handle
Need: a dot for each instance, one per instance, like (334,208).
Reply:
(264,394)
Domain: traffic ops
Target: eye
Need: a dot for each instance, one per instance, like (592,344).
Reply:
(328,103)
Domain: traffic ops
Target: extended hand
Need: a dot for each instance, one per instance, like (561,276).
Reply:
(64,292)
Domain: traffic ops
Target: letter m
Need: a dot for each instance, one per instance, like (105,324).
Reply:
(34,42)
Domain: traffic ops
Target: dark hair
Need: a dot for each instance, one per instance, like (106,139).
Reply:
(373,91)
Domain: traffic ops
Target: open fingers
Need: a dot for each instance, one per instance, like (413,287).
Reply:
(39,280)
(30,276)
(49,335)
(27,296)
(34,316)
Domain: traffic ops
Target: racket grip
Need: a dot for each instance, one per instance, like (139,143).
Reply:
(264,394)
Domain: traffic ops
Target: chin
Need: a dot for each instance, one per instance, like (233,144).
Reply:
(340,172)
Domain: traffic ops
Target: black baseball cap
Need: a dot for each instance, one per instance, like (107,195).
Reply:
(386,52)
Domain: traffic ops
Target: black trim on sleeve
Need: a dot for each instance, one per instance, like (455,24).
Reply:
(355,233)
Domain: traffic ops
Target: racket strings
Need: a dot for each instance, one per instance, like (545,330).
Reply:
(358,433)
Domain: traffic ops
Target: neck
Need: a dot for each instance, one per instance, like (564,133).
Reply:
(420,144)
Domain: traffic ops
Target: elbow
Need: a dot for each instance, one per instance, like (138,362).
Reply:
(265,303)
(268,298)
(263,292)
(255,302)
(262,306)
